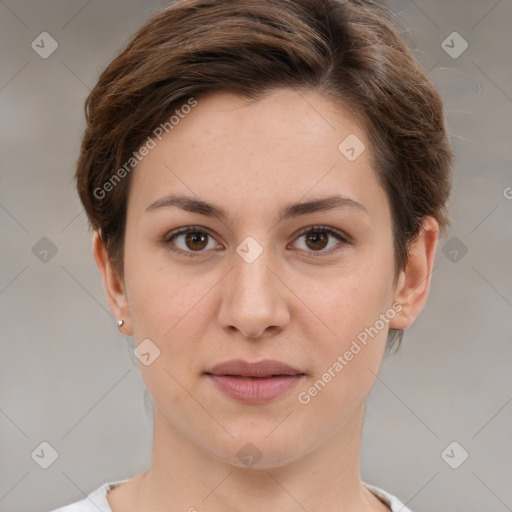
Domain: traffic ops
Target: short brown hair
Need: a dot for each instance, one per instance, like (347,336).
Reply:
(348,50)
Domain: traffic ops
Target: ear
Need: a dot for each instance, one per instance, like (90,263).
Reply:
(112,283)
(414,281)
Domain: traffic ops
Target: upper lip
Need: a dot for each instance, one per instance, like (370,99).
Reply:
(264,368)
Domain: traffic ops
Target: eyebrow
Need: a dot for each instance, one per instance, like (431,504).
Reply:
(193,205)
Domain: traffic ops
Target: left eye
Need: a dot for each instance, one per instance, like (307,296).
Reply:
(318,238)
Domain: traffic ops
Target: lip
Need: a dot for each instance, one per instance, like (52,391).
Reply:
(254,382)
(263,368)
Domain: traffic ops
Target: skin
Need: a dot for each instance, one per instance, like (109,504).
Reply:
(252,158)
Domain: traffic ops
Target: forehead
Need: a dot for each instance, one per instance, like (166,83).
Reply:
(281,147)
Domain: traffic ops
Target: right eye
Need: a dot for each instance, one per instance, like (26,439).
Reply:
(189,241)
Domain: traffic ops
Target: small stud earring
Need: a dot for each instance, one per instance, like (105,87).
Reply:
(120,323)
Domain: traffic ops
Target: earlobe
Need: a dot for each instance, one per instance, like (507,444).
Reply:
(414,281)
(113,285)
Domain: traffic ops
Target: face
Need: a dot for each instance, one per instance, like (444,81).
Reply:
(256,278)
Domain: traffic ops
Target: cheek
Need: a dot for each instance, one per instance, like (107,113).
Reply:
(347,359)
(166,308)
(162,298)
(353,310)
(349,300)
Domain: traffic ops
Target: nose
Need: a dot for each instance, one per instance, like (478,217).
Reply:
(254,298)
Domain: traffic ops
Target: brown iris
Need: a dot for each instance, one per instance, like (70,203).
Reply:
(319,240)
(196,237)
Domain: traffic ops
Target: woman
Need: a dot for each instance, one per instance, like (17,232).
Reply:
(266,182)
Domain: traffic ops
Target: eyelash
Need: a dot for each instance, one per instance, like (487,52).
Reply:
(344,240)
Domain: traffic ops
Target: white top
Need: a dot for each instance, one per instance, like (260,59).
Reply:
(97,500)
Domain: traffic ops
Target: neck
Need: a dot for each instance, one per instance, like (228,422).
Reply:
(184,476)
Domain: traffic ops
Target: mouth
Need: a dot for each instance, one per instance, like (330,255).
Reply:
(254,382)
(261,369)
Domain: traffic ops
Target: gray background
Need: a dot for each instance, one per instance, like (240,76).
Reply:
(67,374)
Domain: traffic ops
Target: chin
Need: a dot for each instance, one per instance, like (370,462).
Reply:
(256,450)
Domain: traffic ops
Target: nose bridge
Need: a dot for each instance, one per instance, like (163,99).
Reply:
(251,276)
(253,299)
(252,288)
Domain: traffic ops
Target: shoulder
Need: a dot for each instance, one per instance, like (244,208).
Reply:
(93,502)
(391,501)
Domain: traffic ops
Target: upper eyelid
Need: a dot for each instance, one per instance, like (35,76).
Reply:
(319,227)
(186,229)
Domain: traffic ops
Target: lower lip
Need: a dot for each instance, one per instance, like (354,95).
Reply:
(255,390)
